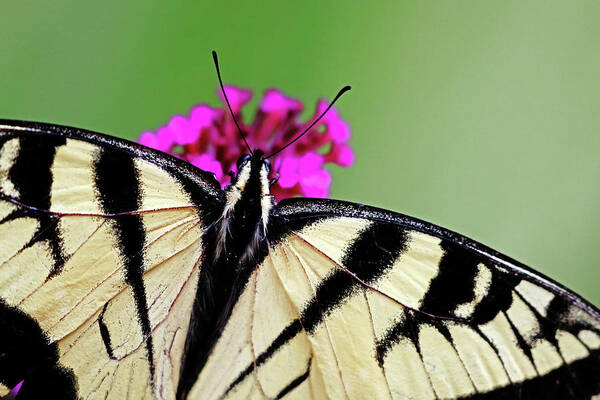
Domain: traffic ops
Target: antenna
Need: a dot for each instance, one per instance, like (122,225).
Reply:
(341,92)
(214,54)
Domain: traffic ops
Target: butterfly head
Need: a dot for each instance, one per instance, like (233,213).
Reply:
(255,160)
(253,173)
(254,168)
(248,204)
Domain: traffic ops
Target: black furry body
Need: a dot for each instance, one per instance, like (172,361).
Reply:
(223,273)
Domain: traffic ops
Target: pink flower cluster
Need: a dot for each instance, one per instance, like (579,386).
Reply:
(208,138)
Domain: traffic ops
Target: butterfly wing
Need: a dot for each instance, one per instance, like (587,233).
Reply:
(356,302)
(100,241)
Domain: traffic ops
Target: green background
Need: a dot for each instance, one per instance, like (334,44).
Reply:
(478,116)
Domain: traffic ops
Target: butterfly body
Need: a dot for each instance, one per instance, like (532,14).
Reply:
(126,273)
(237,237)
(247,208)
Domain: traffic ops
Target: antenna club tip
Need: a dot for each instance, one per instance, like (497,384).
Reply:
(346,88)
(214,54)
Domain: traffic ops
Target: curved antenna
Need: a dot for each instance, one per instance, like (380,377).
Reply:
(214,54)
(341,92)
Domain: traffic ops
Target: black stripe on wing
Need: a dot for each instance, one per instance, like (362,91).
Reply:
(31,176)
(105,333)
(203,188)
(576,380)
(371,254)
(367,258)
(454,283)
(295,383)
(118,189)
(26,354)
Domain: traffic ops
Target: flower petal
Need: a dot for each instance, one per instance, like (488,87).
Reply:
(288,172)
(166,139)
(338,129)
(310,162)
(237,96)
(341,154)
(316,184)
(275,101)
(209,134)
(148,139)
(203,116)
(208,163)
(182,131)
(15,391)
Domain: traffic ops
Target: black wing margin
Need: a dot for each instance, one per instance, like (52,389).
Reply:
(202,185)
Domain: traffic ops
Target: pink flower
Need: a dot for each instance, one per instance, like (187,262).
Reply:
(208,138)
(15,391)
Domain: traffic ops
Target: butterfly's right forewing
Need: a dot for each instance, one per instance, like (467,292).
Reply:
(353,302)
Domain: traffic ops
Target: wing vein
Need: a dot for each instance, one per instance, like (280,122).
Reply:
(91,214)
(125,288)
(250,338)
(69,257)
(366,285)
(387,383)
(31,241)
(330,341)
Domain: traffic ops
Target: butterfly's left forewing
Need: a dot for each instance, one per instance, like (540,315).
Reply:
(354,302)
(99,253)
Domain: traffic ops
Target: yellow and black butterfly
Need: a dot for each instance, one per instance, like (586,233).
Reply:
(126,273)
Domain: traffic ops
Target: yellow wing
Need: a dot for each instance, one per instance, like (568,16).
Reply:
(354,302)
(100,249)
(100,243)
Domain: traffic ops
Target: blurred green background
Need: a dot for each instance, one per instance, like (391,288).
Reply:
(478,116)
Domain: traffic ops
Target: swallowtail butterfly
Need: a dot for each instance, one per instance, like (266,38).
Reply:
(126,273)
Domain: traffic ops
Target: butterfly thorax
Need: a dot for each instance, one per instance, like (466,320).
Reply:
(238,242)
(242,226)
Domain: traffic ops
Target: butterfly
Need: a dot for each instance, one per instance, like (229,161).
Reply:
(126,273)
